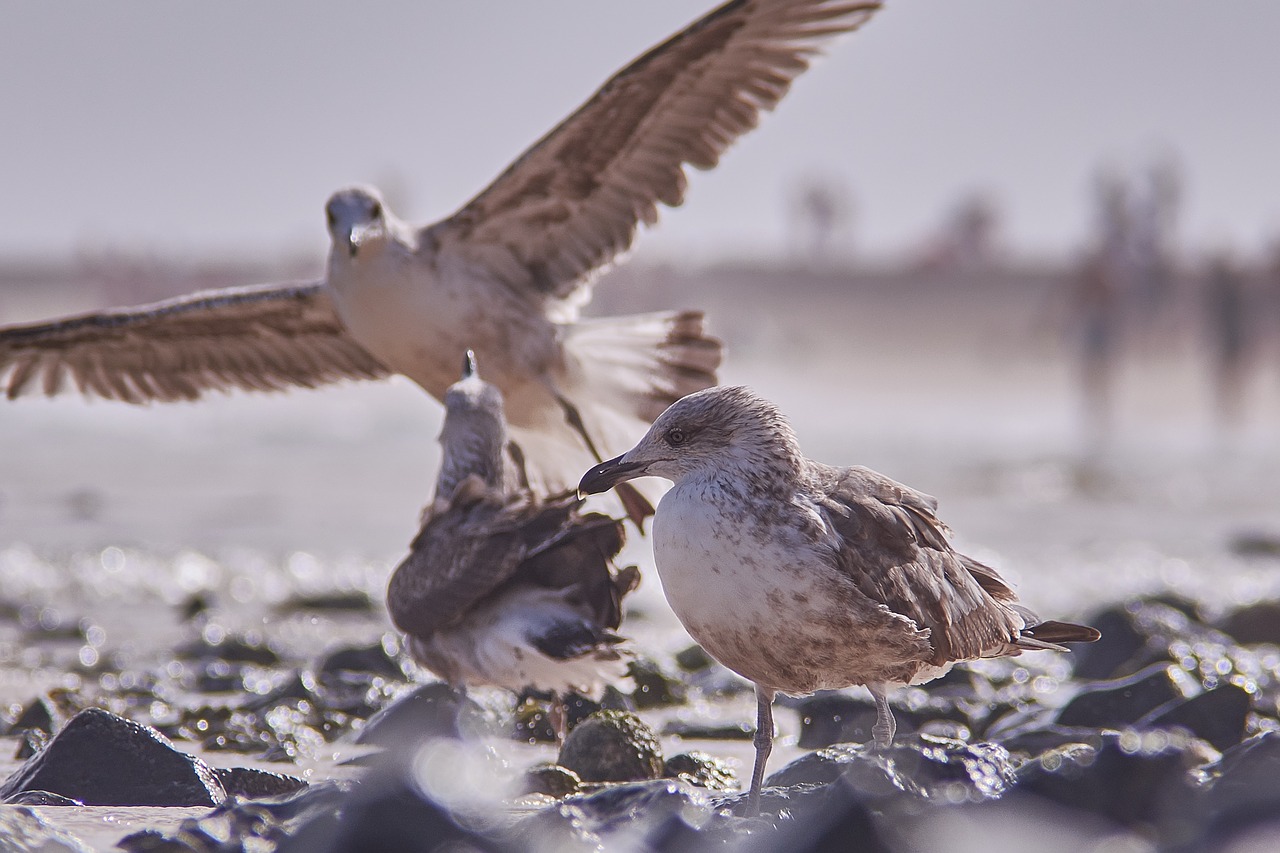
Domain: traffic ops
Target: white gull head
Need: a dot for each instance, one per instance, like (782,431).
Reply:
(358,221)
(706,435)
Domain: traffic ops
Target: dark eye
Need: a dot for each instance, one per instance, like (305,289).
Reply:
(331,216)
(675,437)
(375,212)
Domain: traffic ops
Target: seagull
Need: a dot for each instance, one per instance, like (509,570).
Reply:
(801,576)
(506,275)
(502,587)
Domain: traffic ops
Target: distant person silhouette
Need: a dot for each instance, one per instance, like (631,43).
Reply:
(1226,312)
(1097,323)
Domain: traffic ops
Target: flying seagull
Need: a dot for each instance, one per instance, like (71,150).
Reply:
(502,587)
(506,274)
(801,576)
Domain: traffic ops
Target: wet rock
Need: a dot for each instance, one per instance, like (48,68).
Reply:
(197,604)
(1217,716)
(1036,741)
(253,784)
(30,742)
(40,798)
(927,766)
(432,710)
(1131,778)
(708,731)
(612,746)
(552,780)
(229,648)
(694,658)
(701,770)
(40,714)
(102,759)
(831,718)
(531,721)
(23,831)
(349,601)
(1124,701)
(374,660)
(1256,544)
(1254,623)
(1247,776)
(654,687)
(387,812)
(588,821)
(1110,656)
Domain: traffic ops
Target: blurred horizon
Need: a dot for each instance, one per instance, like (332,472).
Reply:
(218,131)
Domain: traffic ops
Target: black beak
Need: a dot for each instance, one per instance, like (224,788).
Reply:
(469,367)
(606,475)
(353,248)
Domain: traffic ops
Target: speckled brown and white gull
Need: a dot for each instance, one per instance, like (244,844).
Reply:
(506,275)
(802,576)
(502,587)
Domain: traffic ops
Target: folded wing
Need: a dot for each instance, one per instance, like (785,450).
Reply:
(261,338)
(894,549)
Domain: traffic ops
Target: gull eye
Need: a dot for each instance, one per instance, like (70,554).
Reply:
(375,212)
(331,216)
(676,437)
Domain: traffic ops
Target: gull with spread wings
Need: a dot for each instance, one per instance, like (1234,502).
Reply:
(506,275)
(503,587)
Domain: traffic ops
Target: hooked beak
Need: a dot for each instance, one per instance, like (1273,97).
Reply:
(606,475)
(358,235)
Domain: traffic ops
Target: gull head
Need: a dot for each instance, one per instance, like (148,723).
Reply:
(358,220)
(714,432)
(474,436)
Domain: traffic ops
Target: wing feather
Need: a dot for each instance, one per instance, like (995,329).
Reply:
(479,541)
(254,338)
(894,549)
(573,201)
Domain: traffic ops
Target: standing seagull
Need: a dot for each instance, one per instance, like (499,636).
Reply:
(502,588)
(800,576)
(505,275)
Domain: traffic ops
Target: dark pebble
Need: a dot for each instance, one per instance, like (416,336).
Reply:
(1133,778)
(926,766)
(40,798)
(694,658)
(1124,701)
(40,713)
(253,784)
(1217,716)
(102,759)
(655,688)
(612,746)
(1256,544)
(1254,623)
(552,780)
(232,649)
(373,660)
(701,770)
(353,601)
(706,731)
(431,710)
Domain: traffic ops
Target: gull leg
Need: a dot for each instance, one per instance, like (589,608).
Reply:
(885,727)
(636,505)
(574,418)
(764,745)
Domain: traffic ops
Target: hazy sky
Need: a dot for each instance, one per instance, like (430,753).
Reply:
(203,127)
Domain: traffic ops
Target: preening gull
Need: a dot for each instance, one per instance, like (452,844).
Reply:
(801,576)
(502,587)
(505,275)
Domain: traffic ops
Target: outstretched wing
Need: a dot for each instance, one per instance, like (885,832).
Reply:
(263,338)
(573,201)
(472,547)
(894,549)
